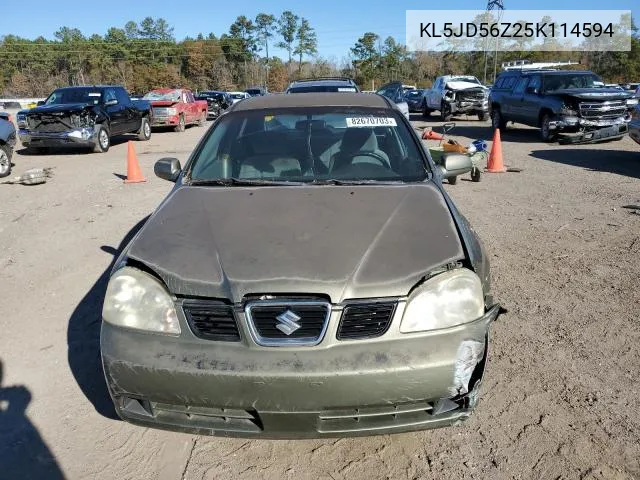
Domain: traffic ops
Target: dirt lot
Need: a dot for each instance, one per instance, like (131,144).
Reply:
(561,395)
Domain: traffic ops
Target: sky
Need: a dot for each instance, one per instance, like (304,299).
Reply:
(338,23)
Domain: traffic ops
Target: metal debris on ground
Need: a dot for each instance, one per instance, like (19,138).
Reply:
(33,176)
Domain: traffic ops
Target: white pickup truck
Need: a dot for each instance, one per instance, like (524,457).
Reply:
(456,94)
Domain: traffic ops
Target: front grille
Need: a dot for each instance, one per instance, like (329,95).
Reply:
(603,110)
(283,322)
(471,95)
(365,321)
(211,320)
(48,123)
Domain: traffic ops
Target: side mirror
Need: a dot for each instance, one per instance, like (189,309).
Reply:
(167,169)
(454,164)
(108,103)
(41,102)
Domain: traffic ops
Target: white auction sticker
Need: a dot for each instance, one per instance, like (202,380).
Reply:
(94,94)
(371,122)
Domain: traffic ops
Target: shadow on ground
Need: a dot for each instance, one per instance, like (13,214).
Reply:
(23,452)
(83,336)
(621,162)
(70,150)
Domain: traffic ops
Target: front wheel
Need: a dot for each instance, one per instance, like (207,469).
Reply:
(546,135)
(445,112)
(482,116)
(104,142)
(452,180)
(181,124)
(144,133)
(426,111)
(5,161)
(497,121)
(203,118)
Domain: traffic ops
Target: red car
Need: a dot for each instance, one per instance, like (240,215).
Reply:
(176,107)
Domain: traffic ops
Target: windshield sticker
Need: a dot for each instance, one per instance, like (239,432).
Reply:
(346,89)
(371,122)
(91,94)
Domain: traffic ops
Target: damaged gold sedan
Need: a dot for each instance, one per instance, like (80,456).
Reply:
(307,276)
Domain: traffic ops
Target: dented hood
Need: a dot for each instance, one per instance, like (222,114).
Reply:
(460,85)
(344,241)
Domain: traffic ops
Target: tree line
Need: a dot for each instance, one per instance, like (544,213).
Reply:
(145,55)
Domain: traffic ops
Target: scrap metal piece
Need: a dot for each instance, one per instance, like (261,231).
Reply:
(33,176)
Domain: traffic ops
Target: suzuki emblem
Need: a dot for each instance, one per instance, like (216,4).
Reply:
(288,322)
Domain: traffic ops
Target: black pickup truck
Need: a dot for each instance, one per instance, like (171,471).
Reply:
(571,106)
(84,116)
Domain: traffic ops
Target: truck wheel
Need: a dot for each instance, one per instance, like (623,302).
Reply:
(452,180)
(546,135)
(5,160)
(181,124)
(144,133)
(482,116)
(203,119)
(103,141)
(496,120)
(445,112)
(426,112)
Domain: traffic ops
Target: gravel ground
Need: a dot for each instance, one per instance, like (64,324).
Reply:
(560,397)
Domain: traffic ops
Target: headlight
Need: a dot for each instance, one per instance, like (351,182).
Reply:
(446,300)
(172,111)
(631,102)
(135,299)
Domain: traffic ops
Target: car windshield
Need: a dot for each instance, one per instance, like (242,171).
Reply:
(237,96)
(571,80)
(74,95)
(172,96)
(322,145)
(321,88)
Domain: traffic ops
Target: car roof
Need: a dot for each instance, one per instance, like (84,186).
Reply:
(546,72)
(334,82)
(320,99)
(89,86)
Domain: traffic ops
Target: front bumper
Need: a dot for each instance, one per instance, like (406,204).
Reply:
(86,137)
(577,130)
(398,382)
(468,106)
(163,121)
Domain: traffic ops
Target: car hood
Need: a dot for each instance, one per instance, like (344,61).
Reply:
(62,108)
(460,85)
(591,93)
(346,242)
(163,103)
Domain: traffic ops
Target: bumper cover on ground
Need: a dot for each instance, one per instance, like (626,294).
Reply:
(239,389)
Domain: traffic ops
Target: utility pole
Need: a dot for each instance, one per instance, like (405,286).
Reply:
(497,5)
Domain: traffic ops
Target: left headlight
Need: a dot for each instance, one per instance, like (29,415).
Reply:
(136,300)
(446,300)
(632,102)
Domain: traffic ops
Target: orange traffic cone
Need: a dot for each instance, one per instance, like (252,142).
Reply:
(134,175)
(495,164)
(431,135)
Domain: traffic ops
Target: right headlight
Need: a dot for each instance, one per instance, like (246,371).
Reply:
(446,300)
(136,300)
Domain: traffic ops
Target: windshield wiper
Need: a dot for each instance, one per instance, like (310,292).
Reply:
(334,181)
(241,182)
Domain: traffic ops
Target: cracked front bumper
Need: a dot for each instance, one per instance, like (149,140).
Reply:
(405,383)
(78,136)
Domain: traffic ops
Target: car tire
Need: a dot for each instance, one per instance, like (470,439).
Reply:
(103,141)
(181,124)
(482,116)
(452,180)
(203,119)
(445,112)
(5,161)
(426,112)
(475,174)
(546,135)
(144,133)
(497,121)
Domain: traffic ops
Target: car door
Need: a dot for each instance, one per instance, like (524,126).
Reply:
(115,111)
(435,95)
(530,101)
(516,98)
(131,116)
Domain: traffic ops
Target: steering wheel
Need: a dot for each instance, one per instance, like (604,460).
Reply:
(376,156)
